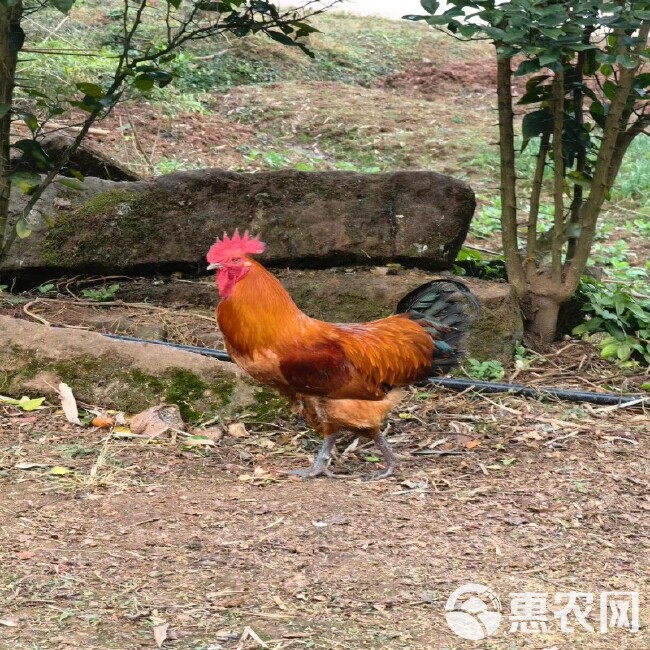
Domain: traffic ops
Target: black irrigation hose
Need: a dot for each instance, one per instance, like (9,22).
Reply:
(605,399)
(544,391)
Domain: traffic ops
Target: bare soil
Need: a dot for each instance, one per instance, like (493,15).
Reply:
(518,495)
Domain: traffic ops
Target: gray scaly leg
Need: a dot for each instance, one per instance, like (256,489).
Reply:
(322,460)
(389,457)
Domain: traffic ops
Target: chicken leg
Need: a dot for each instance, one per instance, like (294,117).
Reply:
(321,463)
(391,460)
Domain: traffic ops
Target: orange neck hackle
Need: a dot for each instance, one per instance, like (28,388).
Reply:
(259,312)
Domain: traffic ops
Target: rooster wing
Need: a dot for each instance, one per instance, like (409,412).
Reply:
(362,361)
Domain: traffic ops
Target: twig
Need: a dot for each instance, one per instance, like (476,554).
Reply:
(616,407)
(136,140)
(568,435)
(33,315)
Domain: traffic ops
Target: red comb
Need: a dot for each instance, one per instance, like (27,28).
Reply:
(235,245)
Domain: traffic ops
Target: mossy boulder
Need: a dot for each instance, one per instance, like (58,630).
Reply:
(308,219)
(124,375)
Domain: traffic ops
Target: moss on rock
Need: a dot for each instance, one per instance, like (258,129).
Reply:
(127,213)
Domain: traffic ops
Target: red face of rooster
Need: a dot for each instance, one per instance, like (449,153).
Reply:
(229,256)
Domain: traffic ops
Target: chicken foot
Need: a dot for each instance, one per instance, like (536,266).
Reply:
(391,460)
(321,463)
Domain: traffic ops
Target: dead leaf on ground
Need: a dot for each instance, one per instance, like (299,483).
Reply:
(69,404)
(471,444)
(214,433)
(157,420)
(160,633)
(237,430)
(9,622)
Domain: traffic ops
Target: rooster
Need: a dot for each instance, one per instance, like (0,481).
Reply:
(336,376)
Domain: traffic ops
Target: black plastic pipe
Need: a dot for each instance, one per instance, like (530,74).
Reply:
(605,399)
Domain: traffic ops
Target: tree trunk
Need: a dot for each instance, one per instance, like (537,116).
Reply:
(10,43)
(541,321)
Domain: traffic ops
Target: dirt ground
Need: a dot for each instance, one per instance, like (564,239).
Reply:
(129,539)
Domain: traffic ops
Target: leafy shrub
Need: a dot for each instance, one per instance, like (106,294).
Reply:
(471,263)
(616,312)
(484,370)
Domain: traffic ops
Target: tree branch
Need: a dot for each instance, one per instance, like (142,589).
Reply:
(557,109)
(535,194)
(509,237)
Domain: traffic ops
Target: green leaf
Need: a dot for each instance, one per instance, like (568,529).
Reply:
(580,178)
(72,183)
(92,90)
(9,3)
(624,351)
(29,118)
(430,6)
(281,38)
(606,70)
(63,6)
(25,403)
(609,350)
(627,61)
(536,123)
(26,182)
(550,57)
(527,67)
(23,229)
(33,149)
(174,3)
(609,88)
(144,82)
(439,20)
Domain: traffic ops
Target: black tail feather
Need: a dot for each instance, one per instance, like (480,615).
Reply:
(441,307)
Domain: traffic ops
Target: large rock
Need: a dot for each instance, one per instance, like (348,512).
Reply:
(316,219)
(126,376)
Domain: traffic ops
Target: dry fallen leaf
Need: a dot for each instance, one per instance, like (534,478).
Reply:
(160,633)
(470,444)
(9,622)
(214,433)
(157,420)
(237,430)
(69,403)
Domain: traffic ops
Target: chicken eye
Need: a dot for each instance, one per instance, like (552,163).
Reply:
(236,259)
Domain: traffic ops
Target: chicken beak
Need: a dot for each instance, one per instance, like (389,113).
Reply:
(214,266)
